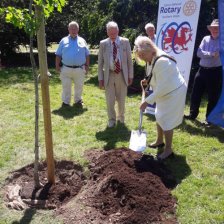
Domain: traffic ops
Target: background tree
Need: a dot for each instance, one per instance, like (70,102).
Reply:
(11,37)
(57,23)
(92,15)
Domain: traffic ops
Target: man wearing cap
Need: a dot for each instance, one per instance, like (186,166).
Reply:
(209,75)
(115,72)
(73,55)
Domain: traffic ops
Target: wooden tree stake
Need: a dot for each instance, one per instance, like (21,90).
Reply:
(42,55)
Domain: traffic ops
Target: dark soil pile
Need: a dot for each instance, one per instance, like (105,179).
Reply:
(69,181)
(123,182)
(123,187)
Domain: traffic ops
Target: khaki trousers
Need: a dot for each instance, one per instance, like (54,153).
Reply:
(116,90)
(77,75)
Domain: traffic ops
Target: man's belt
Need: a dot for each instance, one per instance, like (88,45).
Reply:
(73,66)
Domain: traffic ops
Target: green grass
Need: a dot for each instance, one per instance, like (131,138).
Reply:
(198,166)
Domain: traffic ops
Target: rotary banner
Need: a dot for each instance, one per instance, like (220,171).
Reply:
(217,115)
(176,30)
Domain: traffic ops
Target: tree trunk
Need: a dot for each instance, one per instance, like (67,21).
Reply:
(36,149)
(35,77)
(42,55)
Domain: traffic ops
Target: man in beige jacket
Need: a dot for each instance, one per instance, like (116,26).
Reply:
(115,72)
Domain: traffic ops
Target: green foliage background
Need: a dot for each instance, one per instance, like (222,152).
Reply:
(92,15)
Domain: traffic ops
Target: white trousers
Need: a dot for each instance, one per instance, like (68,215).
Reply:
(116,90)
(67,75)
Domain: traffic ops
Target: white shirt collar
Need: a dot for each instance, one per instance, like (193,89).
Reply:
(117,41)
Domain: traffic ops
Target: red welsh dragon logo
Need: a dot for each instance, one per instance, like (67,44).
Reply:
(176,37)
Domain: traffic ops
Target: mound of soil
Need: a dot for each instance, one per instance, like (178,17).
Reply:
(123,187)
(69,181)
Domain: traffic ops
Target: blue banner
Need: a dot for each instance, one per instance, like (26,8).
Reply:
(217,115)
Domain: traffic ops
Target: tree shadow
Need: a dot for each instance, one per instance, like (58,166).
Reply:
(15,76)
(202,130)
(69,112)
(27,217)
(171,171)
(112,135)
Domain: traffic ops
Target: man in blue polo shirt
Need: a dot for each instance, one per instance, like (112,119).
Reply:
(73,55)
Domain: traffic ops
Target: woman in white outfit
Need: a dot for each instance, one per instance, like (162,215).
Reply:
(169,92)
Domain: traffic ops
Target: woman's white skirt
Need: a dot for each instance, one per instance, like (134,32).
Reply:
(169,110)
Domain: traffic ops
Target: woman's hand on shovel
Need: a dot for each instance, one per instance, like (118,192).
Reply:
(143,106)
(143,82)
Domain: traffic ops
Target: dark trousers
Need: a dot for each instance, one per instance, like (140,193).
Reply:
(207,80)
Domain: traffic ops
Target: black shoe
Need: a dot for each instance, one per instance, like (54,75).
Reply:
(65,105)
(79,104)
(120,122)
(207,123)
(189,117)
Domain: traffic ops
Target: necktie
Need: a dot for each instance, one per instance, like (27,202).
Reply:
(117,67)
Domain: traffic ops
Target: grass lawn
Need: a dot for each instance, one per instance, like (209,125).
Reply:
(198,165)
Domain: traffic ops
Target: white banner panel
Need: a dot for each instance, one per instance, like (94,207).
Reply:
(176,31)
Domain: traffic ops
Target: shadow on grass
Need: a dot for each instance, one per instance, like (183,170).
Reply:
(150,117)
(178,167)
(112,135)
(11,76)
(18,69)
(171,171)
(92,80)
(199,129)
(69,112)
(15,75)
(27,217)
